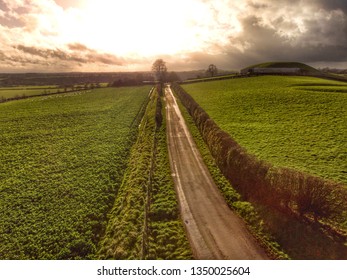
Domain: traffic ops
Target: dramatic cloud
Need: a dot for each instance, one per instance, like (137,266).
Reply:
(314,32)
(333,5)
(78,47)
(57,55)
(93,35)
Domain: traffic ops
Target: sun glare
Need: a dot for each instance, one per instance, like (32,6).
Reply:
(139,28)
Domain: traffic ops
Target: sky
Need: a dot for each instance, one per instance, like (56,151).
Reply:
(129,35)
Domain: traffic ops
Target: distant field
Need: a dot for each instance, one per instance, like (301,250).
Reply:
(285,64)
(210,78)
(12,92)
(62,161)
(25,91)
(297,122)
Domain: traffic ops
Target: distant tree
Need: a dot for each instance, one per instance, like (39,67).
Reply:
(212,70)
(160,70)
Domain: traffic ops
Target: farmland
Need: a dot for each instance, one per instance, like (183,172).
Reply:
(62,162)
(245,209)
(305,213)
(144,222)
(297,122)
(17,92)
(21,92)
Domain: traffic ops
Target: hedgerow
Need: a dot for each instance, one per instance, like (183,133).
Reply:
(285,189)
(144,222)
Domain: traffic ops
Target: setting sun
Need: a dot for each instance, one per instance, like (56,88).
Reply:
(139,28)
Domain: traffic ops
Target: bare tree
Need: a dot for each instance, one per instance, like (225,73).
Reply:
(212,70)
(160,70)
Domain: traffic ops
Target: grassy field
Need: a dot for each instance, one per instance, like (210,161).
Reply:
(297,122)
(19,92)
(223,77)
(15,92)
(62,162)
(244,209)
(144,222)
(285,64)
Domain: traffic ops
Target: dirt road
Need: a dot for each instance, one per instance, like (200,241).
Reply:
(214,231)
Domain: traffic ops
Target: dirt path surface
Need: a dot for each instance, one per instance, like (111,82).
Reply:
(214,231)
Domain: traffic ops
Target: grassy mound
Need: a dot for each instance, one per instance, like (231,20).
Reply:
(283,64)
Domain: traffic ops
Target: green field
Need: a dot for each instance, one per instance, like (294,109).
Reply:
(62,162)
(285,64)
(20,92)
(297,122)
(17,92)
(210,78)
(144,222)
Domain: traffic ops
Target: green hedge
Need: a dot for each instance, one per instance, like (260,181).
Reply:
(285,189)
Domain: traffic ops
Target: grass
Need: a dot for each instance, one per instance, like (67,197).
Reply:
(20,92)
(167,237)
(297,122)
(299,236)
(285,65)
(144,222)
(62,162)
(221,77)
(16,92)
(245,209)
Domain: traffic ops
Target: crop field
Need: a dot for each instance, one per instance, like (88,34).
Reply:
(14,92)
(210,78)
(62,162)
(297,122)
(245,209)
(20,92)
(144,221)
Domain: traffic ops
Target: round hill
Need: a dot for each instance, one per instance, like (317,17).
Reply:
(304,68)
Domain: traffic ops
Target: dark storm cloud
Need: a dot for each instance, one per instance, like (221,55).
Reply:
(323,41)
(324,4)
(316,45)
(87,56)
(260,44)
(333,5)
(287,30)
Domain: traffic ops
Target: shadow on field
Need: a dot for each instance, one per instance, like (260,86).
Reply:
(299,240)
